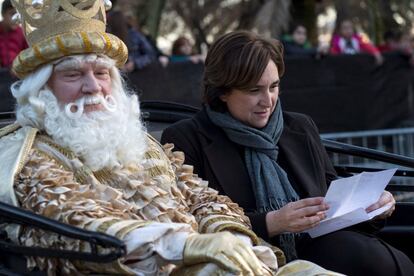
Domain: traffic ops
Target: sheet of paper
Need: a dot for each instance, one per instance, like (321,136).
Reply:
(329,225)
(359,215)
(349,197)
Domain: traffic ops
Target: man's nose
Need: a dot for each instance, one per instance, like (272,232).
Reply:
(90,84)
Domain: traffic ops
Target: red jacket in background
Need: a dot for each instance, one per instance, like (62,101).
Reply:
(357,44)
(11,43)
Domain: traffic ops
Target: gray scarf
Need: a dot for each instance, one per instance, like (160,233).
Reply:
(271,185)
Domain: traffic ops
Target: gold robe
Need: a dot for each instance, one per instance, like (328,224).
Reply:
(51,181)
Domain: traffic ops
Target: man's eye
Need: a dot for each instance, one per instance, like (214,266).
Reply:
(72,74)
(254,90)
(102,73)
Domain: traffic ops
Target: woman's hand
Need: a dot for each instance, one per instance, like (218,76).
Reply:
(385,198)
(296,216)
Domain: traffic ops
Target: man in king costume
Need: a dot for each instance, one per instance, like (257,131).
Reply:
(78,153)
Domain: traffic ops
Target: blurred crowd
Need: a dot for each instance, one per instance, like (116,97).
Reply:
(143,50)
(347,41)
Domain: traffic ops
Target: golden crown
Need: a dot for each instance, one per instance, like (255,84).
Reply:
(57,28)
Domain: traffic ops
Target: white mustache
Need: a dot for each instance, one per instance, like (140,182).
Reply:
(109,103)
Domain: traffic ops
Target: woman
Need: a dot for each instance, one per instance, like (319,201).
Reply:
(347,41)
(296,42)
(182,50)
(272,163)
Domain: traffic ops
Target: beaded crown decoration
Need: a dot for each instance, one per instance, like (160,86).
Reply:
(58,28)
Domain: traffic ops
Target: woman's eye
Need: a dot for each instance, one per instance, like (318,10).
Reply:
(273,87)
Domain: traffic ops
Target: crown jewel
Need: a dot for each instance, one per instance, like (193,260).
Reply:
(37,4)
(108,4)
(46,18)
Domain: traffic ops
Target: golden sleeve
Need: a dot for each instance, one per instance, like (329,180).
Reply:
(213,212)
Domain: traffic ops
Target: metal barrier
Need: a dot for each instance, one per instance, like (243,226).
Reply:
(398,141)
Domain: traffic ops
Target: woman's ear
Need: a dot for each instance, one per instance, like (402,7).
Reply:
(223,97)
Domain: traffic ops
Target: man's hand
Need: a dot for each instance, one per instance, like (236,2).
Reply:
(385,198)
(223,249)
(296,216)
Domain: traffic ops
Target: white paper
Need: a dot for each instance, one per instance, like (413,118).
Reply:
(349,197)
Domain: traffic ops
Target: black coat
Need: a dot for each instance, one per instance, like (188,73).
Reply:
(216,159)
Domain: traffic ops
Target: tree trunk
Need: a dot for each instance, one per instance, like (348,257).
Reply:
(273,18)
(304,12)
(376,28)
(249,12)
(154,10)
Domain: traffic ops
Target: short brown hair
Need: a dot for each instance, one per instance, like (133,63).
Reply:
(238,60)
(177,45)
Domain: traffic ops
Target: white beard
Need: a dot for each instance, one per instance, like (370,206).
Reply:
(101,139)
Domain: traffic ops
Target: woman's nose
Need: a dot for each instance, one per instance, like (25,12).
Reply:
(266,99)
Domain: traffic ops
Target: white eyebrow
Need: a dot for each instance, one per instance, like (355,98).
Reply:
(104,62)
(68,64)
(74,63)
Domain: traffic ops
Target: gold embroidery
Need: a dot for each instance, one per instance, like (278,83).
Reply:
(123,232)
(211,221)
(153,140)
(240,229)
(50,157)
(38,54)
(157,170)
(105,225)
(108,44)
(66,152)
(9,129)
(103,175)
(81,174)
(26,147)
(61,46)
(86,42)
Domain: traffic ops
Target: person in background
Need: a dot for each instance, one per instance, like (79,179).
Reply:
(141,52)
(391,42)
(182,50)
(348,42)
(272,162)
(12,39)
(296,42)
(132,22)
(404,44)
(397,42)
